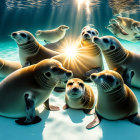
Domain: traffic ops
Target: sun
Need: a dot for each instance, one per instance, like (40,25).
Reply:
(70,51)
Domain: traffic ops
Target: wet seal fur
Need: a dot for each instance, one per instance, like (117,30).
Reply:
(27,88)
(116,100)
(52,36)
(79,96)
(30,51)
(7,67)
(120,59)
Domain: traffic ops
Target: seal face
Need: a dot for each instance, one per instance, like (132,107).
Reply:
(30,51)
(87,34)
(52,36)
(115,99)
(119,59)
(29,87)
(79,95)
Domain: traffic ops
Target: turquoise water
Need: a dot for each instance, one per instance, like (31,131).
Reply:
(32,15)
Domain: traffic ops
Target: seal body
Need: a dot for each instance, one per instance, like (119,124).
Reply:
(79,95)
(52,36)
(7,67)
(30,51)
(115,99)
(37,80)
(120,59)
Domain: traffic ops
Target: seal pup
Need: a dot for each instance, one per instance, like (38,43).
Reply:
(120,59)
(52,36)
(7,67)
(116,100)
(79,96)
(30,51)
(27,88)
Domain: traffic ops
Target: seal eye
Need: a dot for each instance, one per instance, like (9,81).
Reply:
(112,47)
(81,84)
(23,35)
(55,69)
(89,32)
(48,74)
(70,84)
(92,33)
(106,40)
(110,78)
(117,83)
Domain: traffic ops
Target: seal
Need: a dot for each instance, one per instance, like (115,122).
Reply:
(116,101)
(79,96)
(7,67)
(122,33)
(120,59)
(30,51)
(52,36)
(129,24)
(29,87)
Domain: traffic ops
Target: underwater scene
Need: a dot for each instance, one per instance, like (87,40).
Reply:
(70,69)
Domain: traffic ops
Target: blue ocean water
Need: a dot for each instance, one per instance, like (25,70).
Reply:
(32,15)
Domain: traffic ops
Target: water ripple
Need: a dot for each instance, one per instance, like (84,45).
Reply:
(25,4)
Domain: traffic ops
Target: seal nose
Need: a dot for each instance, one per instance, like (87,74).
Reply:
(86,35)
(75,89)
(14,34)
(96,39)
(68,74)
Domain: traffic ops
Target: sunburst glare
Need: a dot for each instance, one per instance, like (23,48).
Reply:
(70,51)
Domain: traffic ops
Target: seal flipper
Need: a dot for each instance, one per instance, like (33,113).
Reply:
(123,31)
(127,77)
(89,111)
(50,107)
(65,107)
(95,122)
(135,119)
(30,111)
